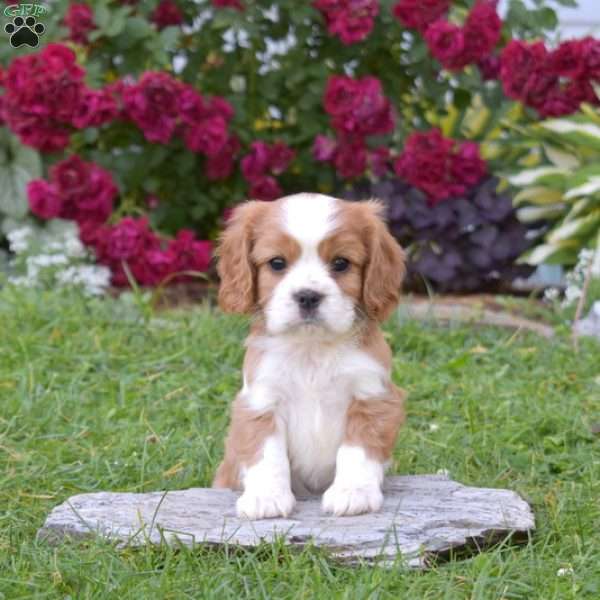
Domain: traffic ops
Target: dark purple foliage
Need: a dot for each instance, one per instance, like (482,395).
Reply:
(464,244)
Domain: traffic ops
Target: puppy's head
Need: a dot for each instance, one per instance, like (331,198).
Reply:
(309,262)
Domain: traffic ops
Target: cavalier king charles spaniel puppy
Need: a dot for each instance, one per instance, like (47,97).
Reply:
(318,412)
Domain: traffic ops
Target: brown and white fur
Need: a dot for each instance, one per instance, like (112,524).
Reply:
(317,411)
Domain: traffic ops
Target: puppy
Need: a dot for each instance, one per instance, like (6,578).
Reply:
(317,411)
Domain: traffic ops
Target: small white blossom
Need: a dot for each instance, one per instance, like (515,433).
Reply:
(18,239)
(94,279)
(433,426)
(551,294)
(564,571)
(22,281)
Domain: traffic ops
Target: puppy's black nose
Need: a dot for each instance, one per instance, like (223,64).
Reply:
(308,300)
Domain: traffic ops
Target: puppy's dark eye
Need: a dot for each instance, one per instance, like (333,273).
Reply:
(340,264)
(278,263)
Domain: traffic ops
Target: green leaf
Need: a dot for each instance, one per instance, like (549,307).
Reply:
(531,214)
(576,228)
(538,195)
(561,159)
(537,175)
(562,254)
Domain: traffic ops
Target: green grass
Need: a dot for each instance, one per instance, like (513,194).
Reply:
(93,397)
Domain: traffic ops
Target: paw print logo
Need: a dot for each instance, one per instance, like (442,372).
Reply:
(24,31)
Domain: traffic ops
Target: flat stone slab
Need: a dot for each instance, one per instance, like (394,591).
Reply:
(424,517)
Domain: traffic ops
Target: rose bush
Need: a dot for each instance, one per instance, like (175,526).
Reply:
(153,118)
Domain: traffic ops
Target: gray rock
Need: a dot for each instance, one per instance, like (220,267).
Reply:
(423,517)
(590,326)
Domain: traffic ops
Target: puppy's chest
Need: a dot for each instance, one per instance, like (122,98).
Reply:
(310,393)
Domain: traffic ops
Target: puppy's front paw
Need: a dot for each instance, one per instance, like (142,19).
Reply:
(264,505)
(352,500)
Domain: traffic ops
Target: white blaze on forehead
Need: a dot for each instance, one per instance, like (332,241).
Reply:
(309,218)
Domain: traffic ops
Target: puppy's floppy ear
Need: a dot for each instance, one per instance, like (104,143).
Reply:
(237,292)
(385,268)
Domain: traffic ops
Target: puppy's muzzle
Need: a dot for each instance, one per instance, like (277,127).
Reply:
(308,301)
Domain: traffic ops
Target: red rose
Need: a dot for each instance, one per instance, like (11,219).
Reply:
(265,187)
(190,254)
(44,199)
(152,104)
(96,107)
(256,163)
(80,21)
(167,13)
(489,67)
(438,166)
(467,166)
(280,157)
(71,176)
(340,95)
(221,165)
(207,136)
(567,60)
(519,61)
(350,20)
(446,42)
(482,30)
(350,159)
(419,14)
(42,93)
(591,56)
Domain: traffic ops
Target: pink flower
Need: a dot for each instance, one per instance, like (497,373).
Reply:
(152,104)
(235,4)
(324,148)
(207,136)
(350,20)
(96,108)
(446,42)
(264,187)
(221,165)
(80,21)
(351,159)
(44,199)
(167,13)
(419,14)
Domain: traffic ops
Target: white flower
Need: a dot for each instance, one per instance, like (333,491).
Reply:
(18,239)
(564,571)
(551,294)
(22,281)
(433,426)
(94,279)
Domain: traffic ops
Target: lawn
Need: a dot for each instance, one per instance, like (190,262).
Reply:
(102,395)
